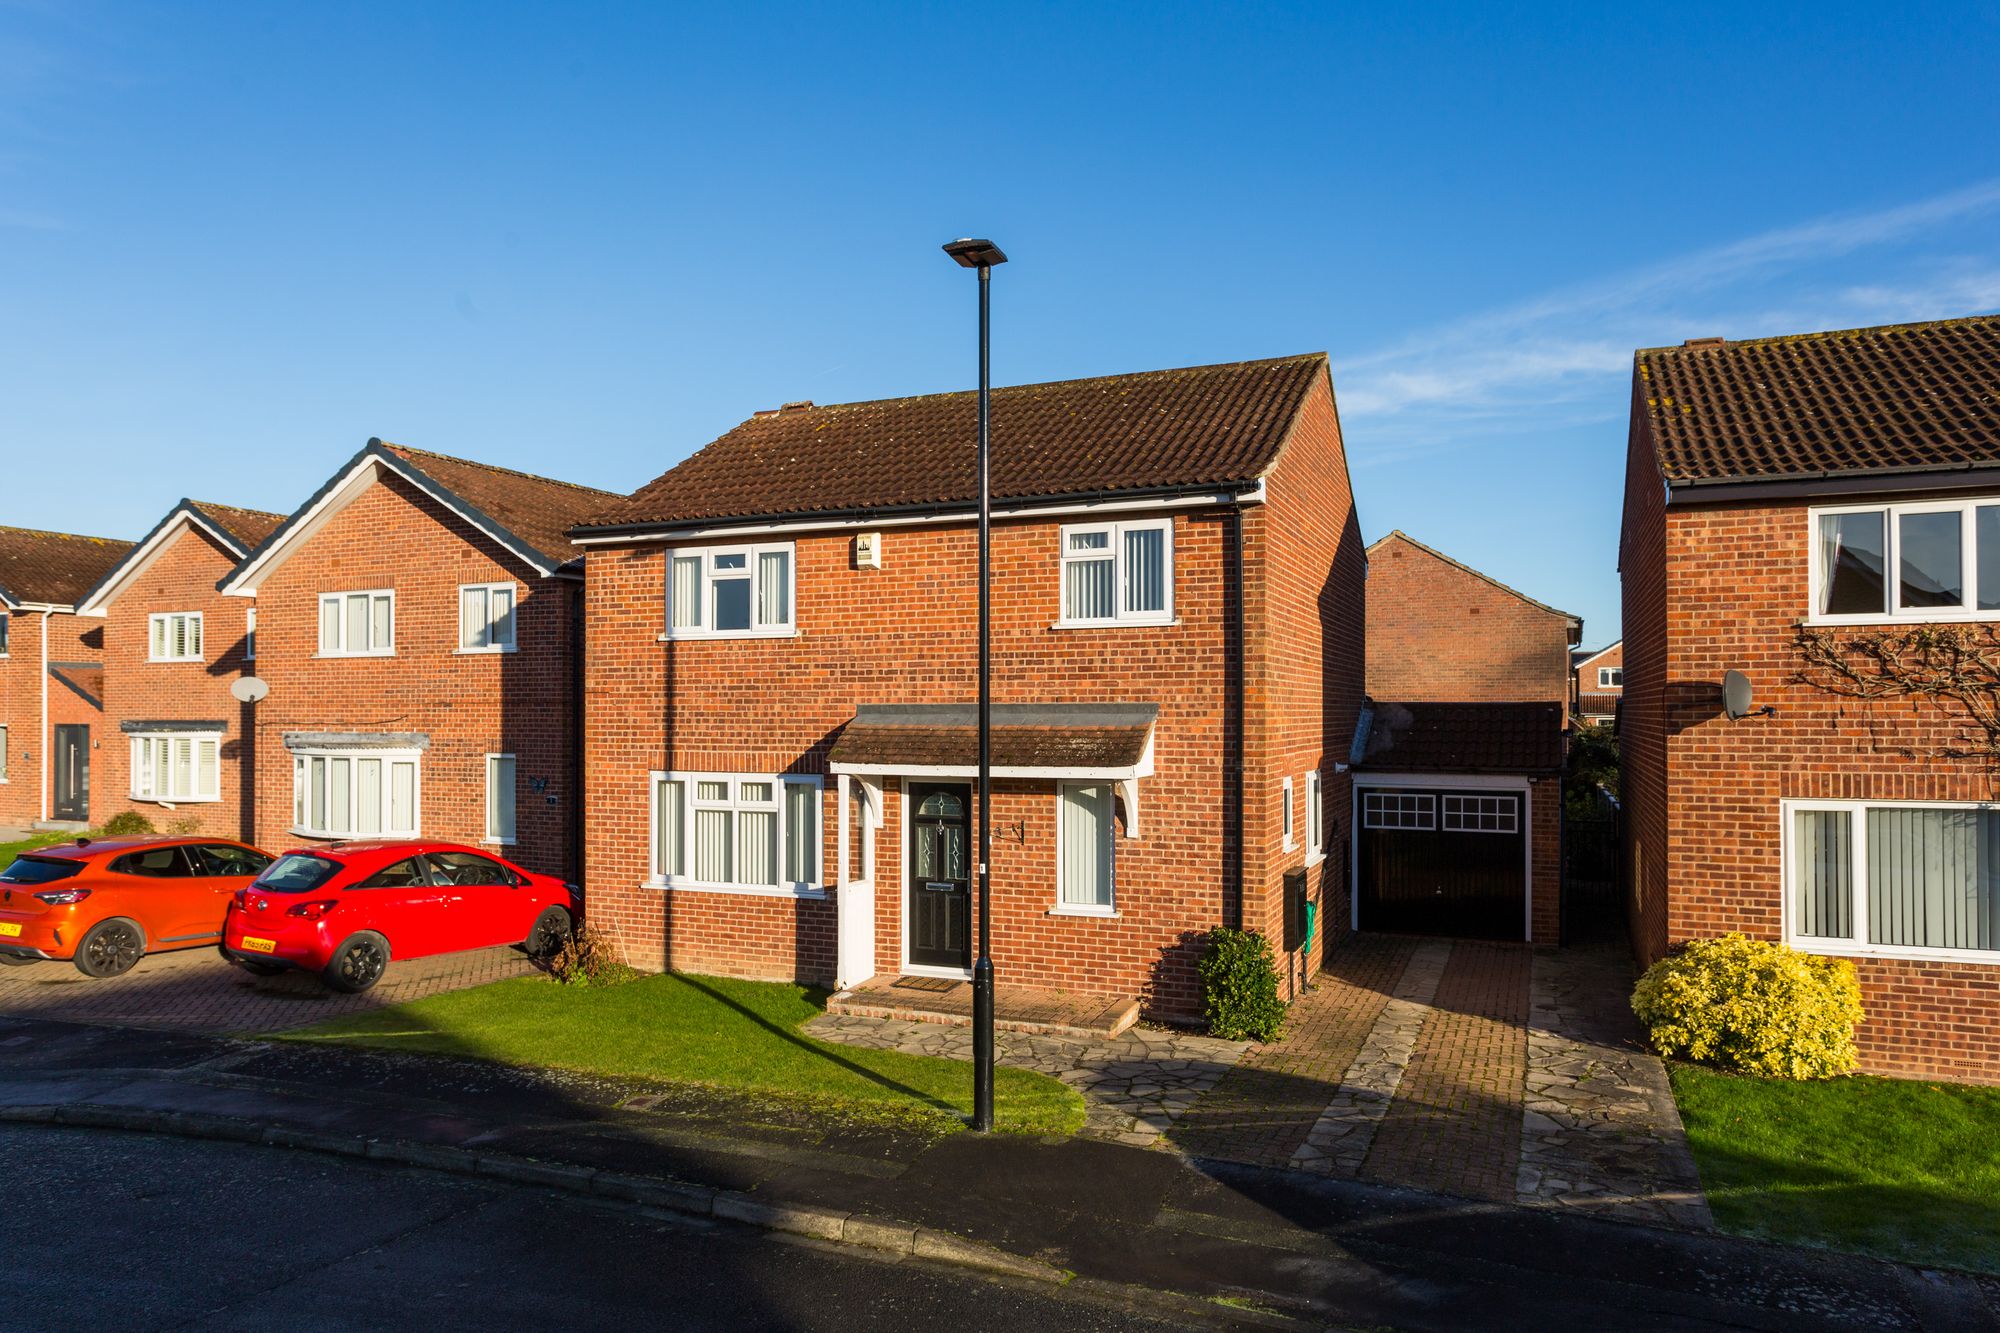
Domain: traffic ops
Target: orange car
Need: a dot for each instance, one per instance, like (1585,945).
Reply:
(108,904)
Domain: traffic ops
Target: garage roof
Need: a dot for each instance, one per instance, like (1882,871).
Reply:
(1460,738)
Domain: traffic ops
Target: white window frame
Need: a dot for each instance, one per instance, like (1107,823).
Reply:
(6,632)
(1423,806)
(1063,907)
(1119,615)
(514,797)
(145,774)
(342,650)
(160,627)
(1968,553)
(1446,814)
(3,753)
(492,644)
(656,878)
(1611,678)
(1315,819)
(1859,946)
(250,634)
(705,591)
(389,755)
(1288,816)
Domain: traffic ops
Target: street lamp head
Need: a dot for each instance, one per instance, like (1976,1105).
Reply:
(975,254)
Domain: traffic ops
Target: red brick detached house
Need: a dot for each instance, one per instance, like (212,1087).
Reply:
(1458,760)
(418,626)
(175,738)
(51,674)
(1600,683)
(1822,514)
(782,668)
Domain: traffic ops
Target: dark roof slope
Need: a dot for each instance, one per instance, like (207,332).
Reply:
(1906,397)
(538,510)
(1158,430)
(54,567)
(248,526)
(1461,738)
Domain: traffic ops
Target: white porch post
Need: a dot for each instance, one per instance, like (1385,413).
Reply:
(854,906)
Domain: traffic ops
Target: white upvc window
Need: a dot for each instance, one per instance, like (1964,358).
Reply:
(173,636)
(727,592)
(486,617)
(1315,820)
(1927,562)
(6,623)
(177,767)
(1610,678)
(1906,879)
(737,833)
(3,754)
(1118,573)
(358,793)
(357,624)
(1398,810)
(1086,842)
(1482,814)
(1289,817)
(500,773)
(250,634)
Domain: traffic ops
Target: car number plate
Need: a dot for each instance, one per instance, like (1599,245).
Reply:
(255,945)
(10,928)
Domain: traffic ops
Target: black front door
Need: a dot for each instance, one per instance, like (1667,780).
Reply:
(72,772)
(940,874)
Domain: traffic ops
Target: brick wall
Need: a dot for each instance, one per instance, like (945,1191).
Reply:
(1586,674)
(71,639)
(469,704)
(1440,633)
(1642,721)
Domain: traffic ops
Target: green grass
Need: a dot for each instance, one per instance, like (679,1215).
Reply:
(10,850)
(1899,1170)
(706,1031)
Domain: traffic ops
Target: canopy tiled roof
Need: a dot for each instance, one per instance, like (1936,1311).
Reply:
(1055,736)
(1599,704)
(1905,397)
(1158,430)
(538,510)
(1461,738)
(55,568)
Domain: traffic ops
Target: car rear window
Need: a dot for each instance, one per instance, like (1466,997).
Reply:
(39,870)
(297,872)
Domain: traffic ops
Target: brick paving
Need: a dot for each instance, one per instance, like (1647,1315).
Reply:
(193,990)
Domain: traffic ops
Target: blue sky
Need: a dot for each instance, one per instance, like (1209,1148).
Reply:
(236,241)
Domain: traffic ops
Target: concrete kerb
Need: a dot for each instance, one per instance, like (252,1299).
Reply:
(826,1224)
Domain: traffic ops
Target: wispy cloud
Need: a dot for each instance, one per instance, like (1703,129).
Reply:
(1565,354)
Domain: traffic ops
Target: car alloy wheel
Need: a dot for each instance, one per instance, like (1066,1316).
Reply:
(361,963)
(111,949)
(551,934)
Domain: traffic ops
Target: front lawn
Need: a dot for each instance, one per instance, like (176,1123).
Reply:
(10,850)
(709,1031)
(1900,1170)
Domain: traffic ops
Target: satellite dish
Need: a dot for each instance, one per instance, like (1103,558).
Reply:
(248,689)
(1735,695)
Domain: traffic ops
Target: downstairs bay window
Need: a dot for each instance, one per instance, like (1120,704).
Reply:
(737,833)
(1893,880)
(174,768)
(356,793)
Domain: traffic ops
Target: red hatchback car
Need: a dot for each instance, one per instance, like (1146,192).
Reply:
(346,909)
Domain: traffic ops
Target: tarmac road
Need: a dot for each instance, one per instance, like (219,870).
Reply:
(114,1230)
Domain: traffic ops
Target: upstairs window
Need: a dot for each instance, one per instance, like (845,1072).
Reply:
(1118,573)
(174,637)
(1924,562)
(4,622)
(486,618)
(250,634)
(1610,678)
(729,592)
(357,624)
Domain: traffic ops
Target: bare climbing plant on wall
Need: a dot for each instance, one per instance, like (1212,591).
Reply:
(1955,669)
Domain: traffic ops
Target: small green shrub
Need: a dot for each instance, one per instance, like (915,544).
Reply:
(128,824)
(1239,987)
(1753,1007)
(590,960)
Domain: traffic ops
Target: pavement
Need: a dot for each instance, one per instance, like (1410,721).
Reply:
(1318,1249)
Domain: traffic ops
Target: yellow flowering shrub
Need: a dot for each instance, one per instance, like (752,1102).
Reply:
(1753,1007)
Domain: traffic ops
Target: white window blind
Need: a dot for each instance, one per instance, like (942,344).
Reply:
(748,832)
(729,592)
(1087,838)
(357,624)
(177,767)
(175,636)
(500,798)
(1895,879)
(1114,572)
(486,617)
(356,793)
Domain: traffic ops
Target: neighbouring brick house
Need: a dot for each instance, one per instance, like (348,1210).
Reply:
(175,739)
(782,668)
(1808,511)
(418,625)
(1458,760)
(51,674)
(1599,683)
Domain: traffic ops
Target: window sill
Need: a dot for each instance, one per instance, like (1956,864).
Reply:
(1135,622)
(1314,858)
(1945,616)
(333,656)
(176,661)
(481,652)
(319,836)
(497,842)
(169,802)
(1099,913)
(730,634)
(1895,953)
(739,890)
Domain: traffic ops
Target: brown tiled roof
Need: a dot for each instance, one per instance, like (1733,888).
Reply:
(1461,738)
(1597,703)
(1904,397)
(538,510)
(1201,426)
(248,526)
(54,567)
(1024,736)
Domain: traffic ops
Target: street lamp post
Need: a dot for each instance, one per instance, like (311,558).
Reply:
(983,255)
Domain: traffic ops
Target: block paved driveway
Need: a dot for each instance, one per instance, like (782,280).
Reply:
(1489,1071)
(193,990)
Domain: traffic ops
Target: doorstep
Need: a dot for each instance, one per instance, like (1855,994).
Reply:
(1027,1009)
